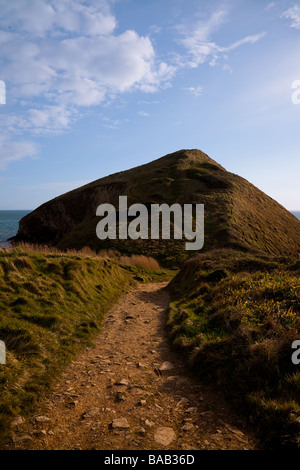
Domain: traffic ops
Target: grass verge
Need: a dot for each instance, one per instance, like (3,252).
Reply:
(51,306)
(236,316)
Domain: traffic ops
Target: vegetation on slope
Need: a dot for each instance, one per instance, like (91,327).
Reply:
(236,316)
(237,214)
(51,306)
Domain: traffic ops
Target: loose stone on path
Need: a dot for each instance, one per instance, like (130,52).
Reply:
(164,436)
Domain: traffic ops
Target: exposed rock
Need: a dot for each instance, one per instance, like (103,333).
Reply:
(192,409)
(148,423)
(74,403)
(42,419)
(120,396)
(120,423)
(122,382)
(140,365)
(166,366)
(187,427)
(90,413)
(21,439)
(17,421)
(141,403)
(164,436)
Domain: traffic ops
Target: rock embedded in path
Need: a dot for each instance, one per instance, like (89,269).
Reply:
(73,403)
(148,423)
(42,419)
(120,423)
(22,439)
(166,366)
(17,421)
(192,409)
(140,365)
(141,403)
(122,382)
(90,413)
(164,436)
(187,427)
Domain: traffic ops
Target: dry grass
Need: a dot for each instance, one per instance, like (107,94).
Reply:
(33,248)
(141,261)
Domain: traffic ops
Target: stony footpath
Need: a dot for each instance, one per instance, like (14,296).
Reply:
(132,392)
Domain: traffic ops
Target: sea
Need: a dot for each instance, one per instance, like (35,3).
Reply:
(9,224)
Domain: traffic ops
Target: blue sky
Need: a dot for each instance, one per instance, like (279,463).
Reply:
(98,86)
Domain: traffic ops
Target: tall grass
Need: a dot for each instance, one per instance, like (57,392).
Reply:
(134,260)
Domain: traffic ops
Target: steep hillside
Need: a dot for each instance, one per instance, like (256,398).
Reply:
(235,316)
(237,214)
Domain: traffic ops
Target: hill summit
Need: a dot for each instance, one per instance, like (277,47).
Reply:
(237,214)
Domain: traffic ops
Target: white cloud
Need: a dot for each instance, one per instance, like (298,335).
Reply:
(199,45)
(58,17)
(247,40)
(148,102)
(143,114)
(227,68)
(112,123)
(197,91)
(72,56)
(12,151)
(293,14)
(60,55)
(270,6)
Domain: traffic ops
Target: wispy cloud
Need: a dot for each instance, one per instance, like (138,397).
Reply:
(197,40)
(143,114)
(12,151)
(197,91)
(270,6)
(293,14)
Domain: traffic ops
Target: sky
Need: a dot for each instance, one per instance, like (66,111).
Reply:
(92,87)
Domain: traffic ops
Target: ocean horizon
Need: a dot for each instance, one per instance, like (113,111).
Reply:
(9,223)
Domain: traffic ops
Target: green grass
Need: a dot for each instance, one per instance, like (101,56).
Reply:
(51,306)
(236,315)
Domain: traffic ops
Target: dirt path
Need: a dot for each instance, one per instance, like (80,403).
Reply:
(118,396)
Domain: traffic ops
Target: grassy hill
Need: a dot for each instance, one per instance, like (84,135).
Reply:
(237,214)
(235,308)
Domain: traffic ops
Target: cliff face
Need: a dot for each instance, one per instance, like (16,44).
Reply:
(237,214)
